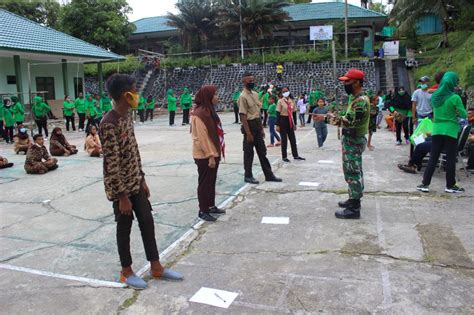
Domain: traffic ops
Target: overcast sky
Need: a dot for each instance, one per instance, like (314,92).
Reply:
(147,8)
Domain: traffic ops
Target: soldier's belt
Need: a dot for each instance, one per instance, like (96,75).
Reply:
(349,132)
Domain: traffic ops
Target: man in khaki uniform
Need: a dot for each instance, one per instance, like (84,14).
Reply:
(252,129)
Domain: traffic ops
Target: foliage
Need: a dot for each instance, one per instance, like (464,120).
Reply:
(412,41)
(465,22)
(378,7)
(43,12)
(470,76)
(100,22)
(127,66)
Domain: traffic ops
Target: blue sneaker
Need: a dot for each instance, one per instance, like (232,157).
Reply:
(134,281)
(168,274)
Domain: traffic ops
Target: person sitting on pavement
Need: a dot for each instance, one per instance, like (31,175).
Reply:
(38,160)
(92,145)
(4,163)
(22,140)
(58,145)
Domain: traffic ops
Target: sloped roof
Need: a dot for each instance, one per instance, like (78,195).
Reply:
(297,12)
(19,33)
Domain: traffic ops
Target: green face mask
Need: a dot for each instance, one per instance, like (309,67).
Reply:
(401,93)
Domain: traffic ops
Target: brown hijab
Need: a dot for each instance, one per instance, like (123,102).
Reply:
(58,137)
(206,112)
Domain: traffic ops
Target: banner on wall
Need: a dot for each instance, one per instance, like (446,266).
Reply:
(323,32)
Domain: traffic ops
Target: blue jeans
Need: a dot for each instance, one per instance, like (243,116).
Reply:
(271,127)
(302,119)
(321,134)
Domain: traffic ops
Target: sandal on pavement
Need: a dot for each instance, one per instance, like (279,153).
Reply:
(168,274)
(133,281)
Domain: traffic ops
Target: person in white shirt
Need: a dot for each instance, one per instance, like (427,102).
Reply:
(302,108)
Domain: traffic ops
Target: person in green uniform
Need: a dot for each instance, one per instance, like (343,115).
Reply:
(40,110)
(171,99)
(400,106)
(141,108)
(18,110)
(272,118)
(2,126)
(235,97)
(105,103)
(265,105)
(314,96)
(98,109)
(81,108)
(150,107)
(355,125)
(68,109)
(186,102)
(91,112)
(9,121)
(448,108)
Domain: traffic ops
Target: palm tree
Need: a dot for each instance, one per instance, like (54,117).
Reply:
(407,12)
(196,22)
(259,18)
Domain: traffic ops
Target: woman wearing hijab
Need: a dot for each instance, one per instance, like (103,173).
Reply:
(58,145)
(208,147)
(9,121)
(68,110)
(401,108)
(447,108)
(18,110)
(286,124)
(22,140)
(171,98)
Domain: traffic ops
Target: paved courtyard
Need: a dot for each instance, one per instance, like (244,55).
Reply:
(410,252)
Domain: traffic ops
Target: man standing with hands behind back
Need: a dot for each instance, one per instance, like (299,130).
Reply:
(252,129)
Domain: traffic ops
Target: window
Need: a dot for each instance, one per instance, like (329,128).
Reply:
(46,84)
(11,79)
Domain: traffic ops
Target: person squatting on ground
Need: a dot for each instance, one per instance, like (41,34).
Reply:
(124,181)
(252,130)
(448,107)
(81,107)
(22,140)
(58,145)
(208,147)
(272,117)
(38,160)
(4,163)
(68,110)
(40,110)
(286,125)
(355,125)
(92,145)
(320,126)
(171,99)
(186,102)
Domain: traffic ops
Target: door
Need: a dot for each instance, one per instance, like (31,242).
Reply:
(46,84)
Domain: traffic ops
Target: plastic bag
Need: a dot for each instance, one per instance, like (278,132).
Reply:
(425,127)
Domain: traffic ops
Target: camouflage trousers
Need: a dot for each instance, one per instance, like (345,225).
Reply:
(352,149)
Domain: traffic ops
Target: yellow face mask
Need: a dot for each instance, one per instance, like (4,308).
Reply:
(135,99)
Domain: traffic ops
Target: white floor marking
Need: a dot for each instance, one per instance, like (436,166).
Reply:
(275,220)
(326,161)
(310,184)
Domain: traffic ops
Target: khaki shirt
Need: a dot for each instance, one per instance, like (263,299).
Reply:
(249,104)
(282,106)
(203,147)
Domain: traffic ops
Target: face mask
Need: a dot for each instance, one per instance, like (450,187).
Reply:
(424,86)
(286,94)
(22,130)
(349,89)
(136,98)
(250,86)
(401,93)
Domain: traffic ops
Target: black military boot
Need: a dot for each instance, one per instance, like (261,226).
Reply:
(344,204)
(352,211)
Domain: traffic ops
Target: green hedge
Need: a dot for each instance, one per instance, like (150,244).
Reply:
(127,66)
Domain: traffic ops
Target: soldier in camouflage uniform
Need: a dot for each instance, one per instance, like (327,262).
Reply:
(355,124)
(38,160)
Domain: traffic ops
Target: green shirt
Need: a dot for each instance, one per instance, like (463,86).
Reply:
(186,100)
(151,105)
(19,112)
(446,117)
(1,109)
(171,103)
(40,109)
(235,97)
(80,105)
(105,104)
(265,104)
(272,110)
(357,114)
(98,109)
(68,108)
(8,117)
(141,103)
(91,110)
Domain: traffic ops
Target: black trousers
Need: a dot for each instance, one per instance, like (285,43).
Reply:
(149,112)
(9,134)
(42,124)
(450,146)
(186,116)
(287,133)
(419,153)
(142,209)
(206,190)
(70,120)
(406,130)
(82,119)
(172,113)
(258,143)
(236,112)
(141,113)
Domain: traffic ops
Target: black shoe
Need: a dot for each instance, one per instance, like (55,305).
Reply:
(206,216)
(286,160)
(215,210)
(273,179)
(347,214)
(345,204)
(251,180)
(300,158)
(53,167)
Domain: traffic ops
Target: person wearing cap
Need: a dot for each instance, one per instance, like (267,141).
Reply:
(421,101)
(355,125)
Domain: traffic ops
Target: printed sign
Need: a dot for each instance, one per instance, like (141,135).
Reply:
(323,32)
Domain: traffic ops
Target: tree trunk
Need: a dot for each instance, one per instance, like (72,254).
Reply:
(445,35)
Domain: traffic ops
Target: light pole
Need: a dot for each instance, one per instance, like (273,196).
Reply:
(345,31)
(241,33)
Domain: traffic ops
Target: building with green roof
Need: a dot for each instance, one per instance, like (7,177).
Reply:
(35,58)
(152,33)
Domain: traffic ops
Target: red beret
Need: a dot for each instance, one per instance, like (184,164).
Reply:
(353,74)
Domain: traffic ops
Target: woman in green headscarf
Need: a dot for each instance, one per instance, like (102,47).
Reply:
(171,98)
(447,108)
(40,110)
(186,103)
(105,103)
(18,110)
(81,107)
(91,112)
(9,121)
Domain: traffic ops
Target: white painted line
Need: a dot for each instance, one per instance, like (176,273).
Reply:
(310,184)
(93,282)
(214,297)
(275,220)
(326,161)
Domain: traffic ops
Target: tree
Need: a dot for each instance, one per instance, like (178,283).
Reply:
(407,13)
(259,18)
(100,22)
(378,7)
(196,22)
(43,12)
